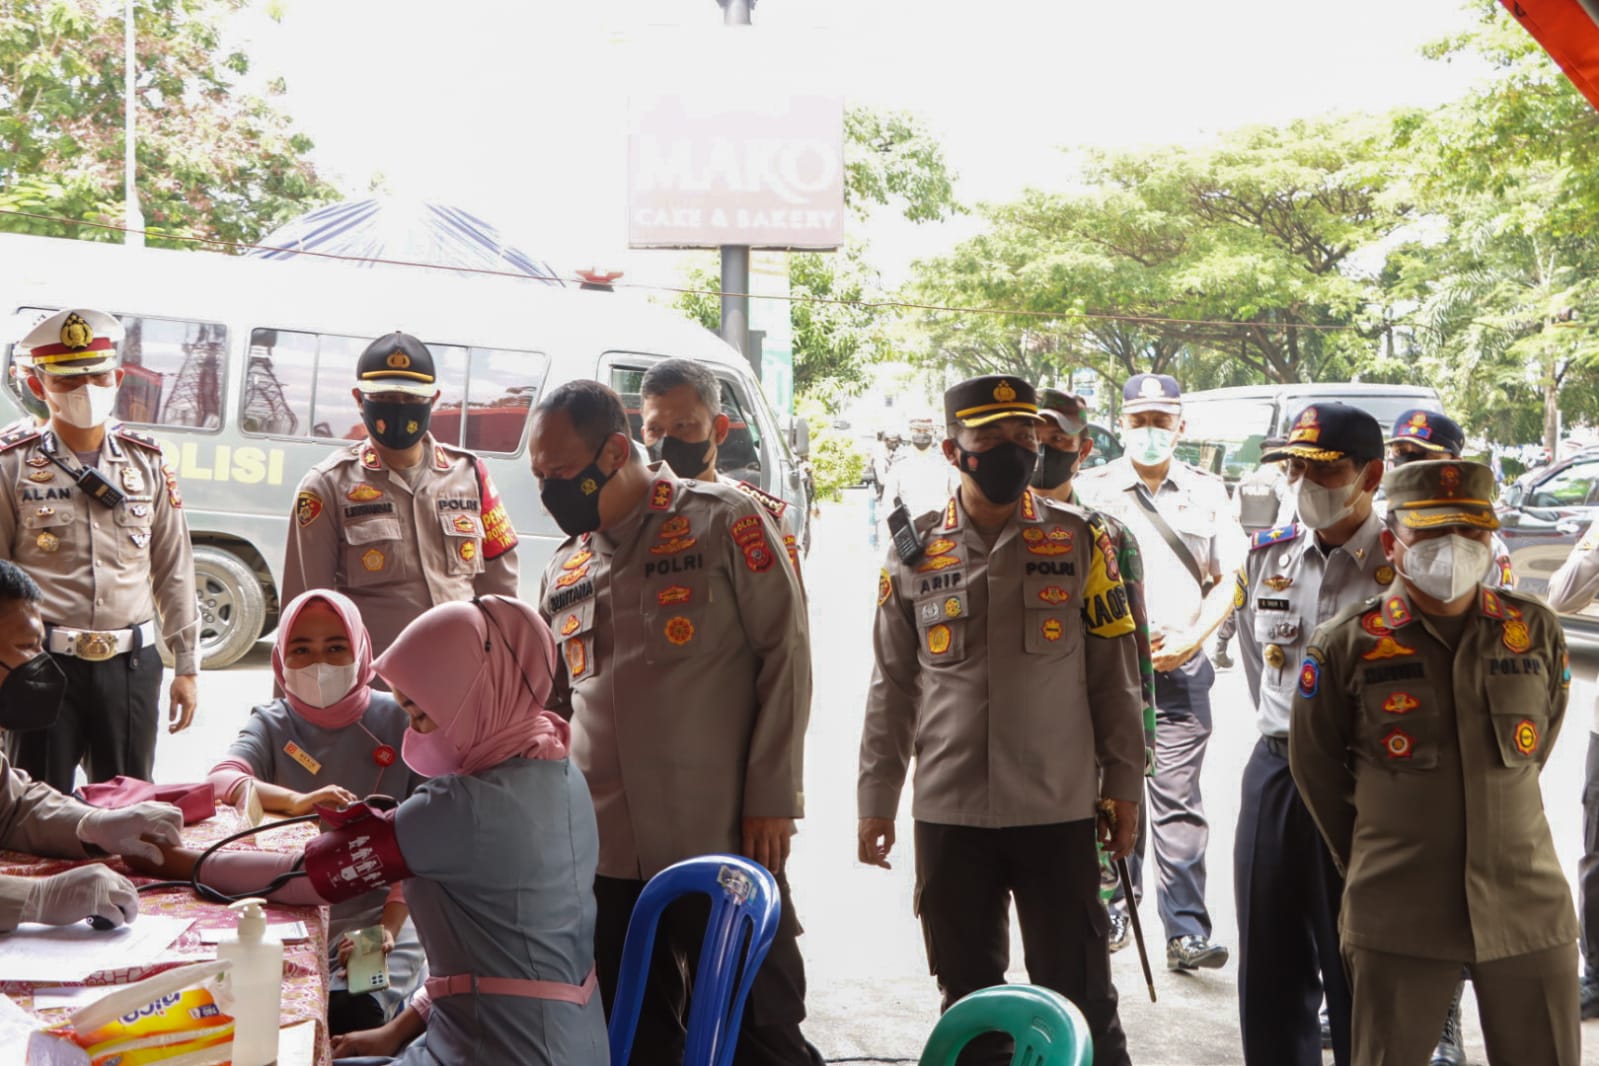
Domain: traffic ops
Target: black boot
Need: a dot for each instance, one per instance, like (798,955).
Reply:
(1451,1050)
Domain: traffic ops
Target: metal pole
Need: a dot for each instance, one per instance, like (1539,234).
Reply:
(133,218)
(736,257)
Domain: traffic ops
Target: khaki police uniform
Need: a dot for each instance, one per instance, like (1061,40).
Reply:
(105,572)
(1010,671)
(782,513)
(35,819)
(396,548)
(685,657)
(1417,745)
(1571,588)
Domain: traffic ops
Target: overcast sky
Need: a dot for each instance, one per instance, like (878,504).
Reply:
(517,110)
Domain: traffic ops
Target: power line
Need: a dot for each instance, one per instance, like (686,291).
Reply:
(683,290)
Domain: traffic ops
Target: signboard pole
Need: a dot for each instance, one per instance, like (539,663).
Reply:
(736,257)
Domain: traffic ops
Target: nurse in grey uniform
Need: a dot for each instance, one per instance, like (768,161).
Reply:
(330,740)
(497,852)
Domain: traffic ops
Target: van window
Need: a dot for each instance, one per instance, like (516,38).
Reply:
(1575,486)
(299,384)
(739,456)
(175,370)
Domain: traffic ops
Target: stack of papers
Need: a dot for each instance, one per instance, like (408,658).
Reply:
(70,953)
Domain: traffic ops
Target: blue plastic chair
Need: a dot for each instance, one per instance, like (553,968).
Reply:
(744,911)
(1047,1028)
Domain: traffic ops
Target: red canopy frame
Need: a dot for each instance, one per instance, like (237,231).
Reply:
(1569,33)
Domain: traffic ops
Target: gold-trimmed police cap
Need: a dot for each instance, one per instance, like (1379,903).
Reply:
(73,342)
(397,362)
(1327,432)
(1433,493)
(979,401)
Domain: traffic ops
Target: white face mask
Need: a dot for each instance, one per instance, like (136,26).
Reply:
(320,684)
(1321,507)
(1150,445)
(85,407)
(1446,568)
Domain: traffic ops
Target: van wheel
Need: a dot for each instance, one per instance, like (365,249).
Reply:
(232,608)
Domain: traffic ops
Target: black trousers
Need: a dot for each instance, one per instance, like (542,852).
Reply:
(1588,866)
(769,1034)
(108,722)
(1288,894)
(965,881)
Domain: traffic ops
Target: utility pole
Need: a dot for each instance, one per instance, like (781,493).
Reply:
(736,257)
(133,218)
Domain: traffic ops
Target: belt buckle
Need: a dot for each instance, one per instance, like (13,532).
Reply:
(94,647)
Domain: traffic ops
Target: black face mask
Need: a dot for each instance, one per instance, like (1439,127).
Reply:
(31,694)
(574,502)
(1055,467)
(396,425)
(1002,472)
(1401,458)
(686,458)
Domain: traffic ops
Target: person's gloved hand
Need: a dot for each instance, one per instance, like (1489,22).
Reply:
(81,892)
(120,831)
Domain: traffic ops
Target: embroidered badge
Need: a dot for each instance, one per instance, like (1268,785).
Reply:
(1395,613)
(1516,636)
(372,560)
(1387,648)
(793,550)
(749,534)
(660,496)
(885,587)
(1449,480)
(672,594)
(567,580)
(1058,541)
(364,493)
(1398,744)
(463,524)
(369,459)
(468,551)
(1400,703)
(679,630)
(569,626)
(952,607)
(174,497)
(1240,592)
(1309,677)
(676,526)
(938,639)
(1054,595)
(307,508)
(48,542)
(577,559)
(1372,623)
(577,658)
(937,562)
(1491,604)
(941,546)
(1052,629)
(1029,507)
(1526,736)
(949,514)
(42,476)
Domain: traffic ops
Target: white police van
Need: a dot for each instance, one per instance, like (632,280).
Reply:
(243,369)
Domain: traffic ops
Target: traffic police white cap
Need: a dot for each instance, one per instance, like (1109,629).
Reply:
(73,342)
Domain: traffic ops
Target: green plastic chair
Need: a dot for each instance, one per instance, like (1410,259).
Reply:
(1048,1030)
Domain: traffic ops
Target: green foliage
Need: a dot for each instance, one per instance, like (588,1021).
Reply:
(890,158)
(837,463)
(212,161)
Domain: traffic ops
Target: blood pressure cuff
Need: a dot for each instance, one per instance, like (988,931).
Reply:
(357,853)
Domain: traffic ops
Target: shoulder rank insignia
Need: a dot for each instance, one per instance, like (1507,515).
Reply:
(20,435)
(1281,535)
(772,503)
(136,437)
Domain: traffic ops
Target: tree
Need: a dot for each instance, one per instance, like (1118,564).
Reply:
(890,162)
(213,162)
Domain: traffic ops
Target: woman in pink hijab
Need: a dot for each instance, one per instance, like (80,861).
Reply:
(497,852)
(328,741)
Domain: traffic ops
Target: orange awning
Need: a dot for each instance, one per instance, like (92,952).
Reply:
(1568,31)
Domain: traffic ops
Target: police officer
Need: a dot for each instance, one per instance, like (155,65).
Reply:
(1006,660)
(1063,447)
(39,820)
(1572,588)
(1184,525)
(1423,720)
(920,476)
(399,522)
(1297,576)
(1419,434)
(96,518)
(682,424)
(687,665)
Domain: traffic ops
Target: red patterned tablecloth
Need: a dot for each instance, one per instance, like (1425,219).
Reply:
(305,965)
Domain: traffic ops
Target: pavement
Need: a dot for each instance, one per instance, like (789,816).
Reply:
(871,998)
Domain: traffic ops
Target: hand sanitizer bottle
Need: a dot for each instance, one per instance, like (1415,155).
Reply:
(255,985)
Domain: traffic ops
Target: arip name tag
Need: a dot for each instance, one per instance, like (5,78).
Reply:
(301,756)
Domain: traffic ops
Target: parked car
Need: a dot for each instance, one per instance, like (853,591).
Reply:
(1541,517)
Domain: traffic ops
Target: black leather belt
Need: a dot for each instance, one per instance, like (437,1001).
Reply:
(1276,745)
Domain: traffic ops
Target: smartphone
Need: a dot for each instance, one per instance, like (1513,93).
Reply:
(368,968)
